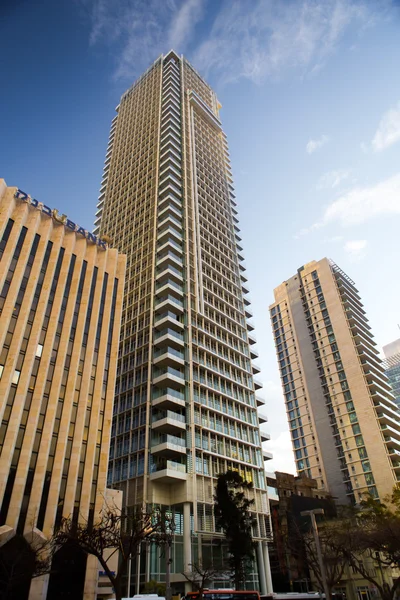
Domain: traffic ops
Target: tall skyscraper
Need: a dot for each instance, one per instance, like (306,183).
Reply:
(186,400)
(391,364)
(61,294)
(343,421)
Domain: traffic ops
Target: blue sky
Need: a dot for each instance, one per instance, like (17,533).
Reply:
(311,107)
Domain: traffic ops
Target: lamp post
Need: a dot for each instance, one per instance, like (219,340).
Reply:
(311,514)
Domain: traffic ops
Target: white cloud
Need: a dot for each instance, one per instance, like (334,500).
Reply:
(138,31)
(273,37)
(281,447)
(254,40)
(313,145)
(332,179)
(362,204)
(356,248)
(388,131)
(189,13)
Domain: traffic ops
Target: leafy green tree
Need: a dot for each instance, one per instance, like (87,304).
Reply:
(232,515)
(154,587)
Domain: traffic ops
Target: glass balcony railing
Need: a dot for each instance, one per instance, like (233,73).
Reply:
(169,439)
(168,392)
(168,331)
(170,350)
(168,414)
(169,464)
(167,313)
(171,298)
(168,371)
(171,268)
(169,282)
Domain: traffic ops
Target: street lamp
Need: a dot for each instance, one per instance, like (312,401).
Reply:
(311,514)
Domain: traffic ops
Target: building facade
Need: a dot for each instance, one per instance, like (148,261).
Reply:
(289,567)
(186,400)
(391,364)
(342,416)
(60,309)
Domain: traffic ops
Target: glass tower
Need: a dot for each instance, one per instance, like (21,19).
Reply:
(186,399)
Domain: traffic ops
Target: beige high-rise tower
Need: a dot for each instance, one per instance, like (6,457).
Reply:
(343,421)
(60,309)
(186,400)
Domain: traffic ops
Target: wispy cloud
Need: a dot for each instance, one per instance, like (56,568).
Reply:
(266,38)
(388,131)
(355,248)
(254,40)
(139,30)
(332,179)
(181,26)
(313,145)
(362,204)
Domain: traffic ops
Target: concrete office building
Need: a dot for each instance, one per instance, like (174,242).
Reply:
(60,309)
(186,400)
(343,421)
(391,364)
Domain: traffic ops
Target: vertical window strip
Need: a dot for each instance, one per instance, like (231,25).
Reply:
(6,235)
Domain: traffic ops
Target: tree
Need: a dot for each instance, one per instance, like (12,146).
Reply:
(371,536)
(202,574)
(232,515)
(154,587)
(332,555)
(116,530)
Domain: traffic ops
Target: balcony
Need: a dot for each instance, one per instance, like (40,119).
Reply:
(248,312)
(253,353)
(167,232)
(168,210)
(169,244)
(167,302)
(249,325)
(257,383)
(256,369)
(164,259)
(169,337)
(377,384)
(168,356)
(168,377)
(168,445)
(168,471)
(168,398)
(252,339)
(260,401)
(262,419)
(265,437)
(168,421)
(267,455)
(169,272)
(167,319)
(169,286)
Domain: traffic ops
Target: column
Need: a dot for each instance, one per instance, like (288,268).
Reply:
(261,569)
(267,569)
(38,589)
(187,542)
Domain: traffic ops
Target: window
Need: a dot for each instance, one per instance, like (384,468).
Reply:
(15,378)
(39,350)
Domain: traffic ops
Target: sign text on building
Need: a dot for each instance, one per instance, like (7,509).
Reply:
(63,219)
